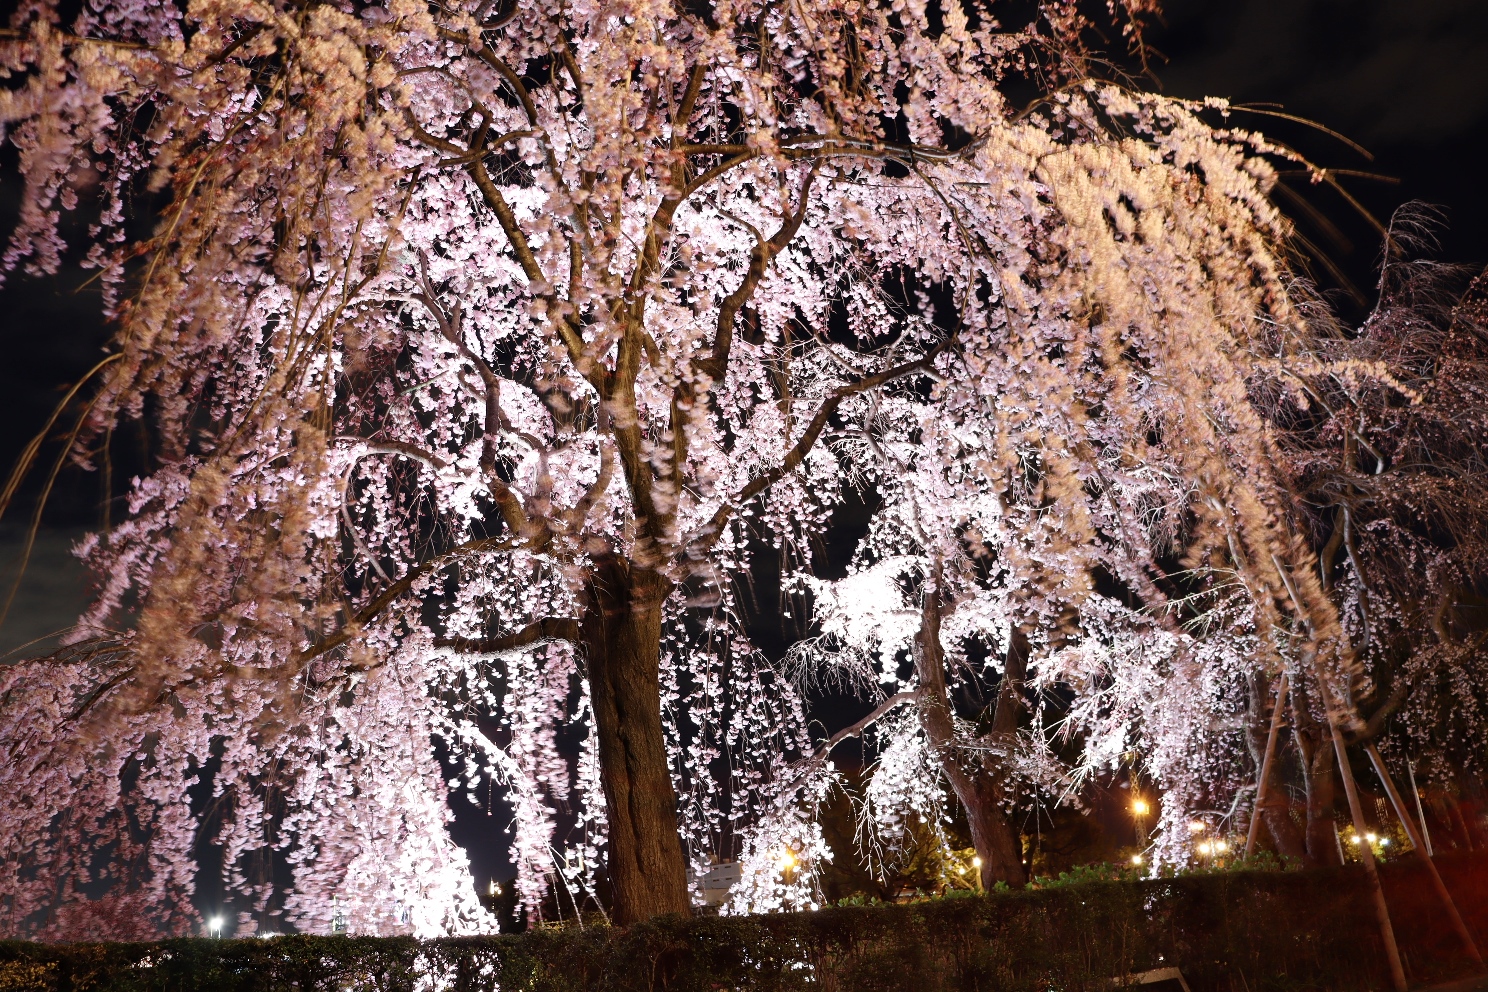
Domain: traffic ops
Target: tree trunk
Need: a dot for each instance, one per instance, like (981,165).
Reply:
(621,632)
(1273,807)
(976,783)
(1314,746)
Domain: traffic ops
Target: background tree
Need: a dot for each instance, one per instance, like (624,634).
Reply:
(1110,486)
(1383,438)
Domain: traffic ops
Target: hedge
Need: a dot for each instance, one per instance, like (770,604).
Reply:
(1239,931)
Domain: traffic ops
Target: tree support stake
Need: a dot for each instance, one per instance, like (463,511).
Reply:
(1366,855)
(1350,789)
(1264,781)
(1416,840)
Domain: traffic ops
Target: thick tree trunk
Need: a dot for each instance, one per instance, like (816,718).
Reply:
(1315,748)
(1273,806)
(977,783)
(621,633)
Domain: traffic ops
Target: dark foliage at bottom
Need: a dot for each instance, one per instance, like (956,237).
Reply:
(1243,931)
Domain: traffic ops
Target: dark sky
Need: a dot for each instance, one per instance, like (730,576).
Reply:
(1408,80)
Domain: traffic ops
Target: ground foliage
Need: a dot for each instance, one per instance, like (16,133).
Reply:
(1226,930)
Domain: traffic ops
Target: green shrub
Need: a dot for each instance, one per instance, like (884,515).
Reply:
(1242,930)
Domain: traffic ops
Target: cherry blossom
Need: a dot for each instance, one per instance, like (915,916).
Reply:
(485,345)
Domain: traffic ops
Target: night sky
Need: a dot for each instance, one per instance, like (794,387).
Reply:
(1407,80)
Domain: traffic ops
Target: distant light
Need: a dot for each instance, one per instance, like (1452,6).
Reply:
(1354,839)
(1384,842)
(1221,846)
(1136,859)
(495,889)
(1205,848)
(1140,807)
(1371,838)
(215,926)
(1197,826)
(961,870)
(787,859)
(976,862)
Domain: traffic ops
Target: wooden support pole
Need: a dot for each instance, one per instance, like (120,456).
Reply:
(1420,810)
(1366,855)
(1264,781)
(1350,789)
(1458,923)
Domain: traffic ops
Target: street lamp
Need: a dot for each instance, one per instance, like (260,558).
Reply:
(214,926)
(1140,809)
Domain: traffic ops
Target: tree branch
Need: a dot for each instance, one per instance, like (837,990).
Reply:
(716,365)
(704,537)
(856,730)
(370,612)
(806,766)
(402,449)
(547,629)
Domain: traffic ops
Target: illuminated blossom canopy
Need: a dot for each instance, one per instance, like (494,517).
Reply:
(486,344)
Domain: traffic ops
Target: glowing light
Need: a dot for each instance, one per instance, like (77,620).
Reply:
(1221,846)
(961,870)
(1136,859)
(1197,826)
(1140,807)
(215,926)
(1354,839)
(1371,838)
(1205,848)
(1384,842)
(976,862)
(495,889)
(787,859)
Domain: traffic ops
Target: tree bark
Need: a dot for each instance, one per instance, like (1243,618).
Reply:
(621,632)
(977,783)
(1315,752)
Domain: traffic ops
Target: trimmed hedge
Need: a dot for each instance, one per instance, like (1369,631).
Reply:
(1243,931)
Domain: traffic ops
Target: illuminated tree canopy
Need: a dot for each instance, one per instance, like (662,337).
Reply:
(487,345)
